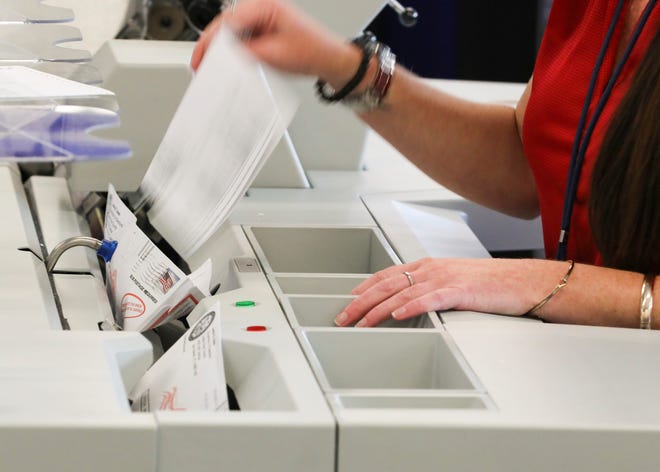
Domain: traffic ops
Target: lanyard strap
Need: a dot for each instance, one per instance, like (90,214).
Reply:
(583,135)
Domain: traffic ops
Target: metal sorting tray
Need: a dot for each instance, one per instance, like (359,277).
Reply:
(411,364)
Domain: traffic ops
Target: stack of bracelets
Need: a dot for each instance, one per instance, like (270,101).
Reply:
(373,96)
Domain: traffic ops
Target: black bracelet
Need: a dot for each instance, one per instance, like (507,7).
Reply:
(367,43)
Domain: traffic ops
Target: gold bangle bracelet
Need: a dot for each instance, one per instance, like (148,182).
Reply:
(646,302)
(562,283)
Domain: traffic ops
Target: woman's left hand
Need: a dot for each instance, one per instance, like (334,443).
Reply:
(503,286)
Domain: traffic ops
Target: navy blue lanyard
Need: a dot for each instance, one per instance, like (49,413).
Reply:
(583,134)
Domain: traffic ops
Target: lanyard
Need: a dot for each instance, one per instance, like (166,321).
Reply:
(584,129)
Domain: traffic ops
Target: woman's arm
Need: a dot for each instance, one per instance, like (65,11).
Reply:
(473,149)
(592,296)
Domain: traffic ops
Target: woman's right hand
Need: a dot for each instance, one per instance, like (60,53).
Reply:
(286,39)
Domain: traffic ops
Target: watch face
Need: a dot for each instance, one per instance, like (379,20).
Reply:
(201,326)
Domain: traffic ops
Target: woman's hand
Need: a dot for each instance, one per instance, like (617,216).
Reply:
(503,286)
(283,37)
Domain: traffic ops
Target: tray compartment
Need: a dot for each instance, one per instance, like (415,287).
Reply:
(317,284)
(320,312)
(441,402)
(356,359)
(323,250)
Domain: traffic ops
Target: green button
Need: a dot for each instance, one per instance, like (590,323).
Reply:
(245,303)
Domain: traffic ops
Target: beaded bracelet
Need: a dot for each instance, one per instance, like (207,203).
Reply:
(368,45)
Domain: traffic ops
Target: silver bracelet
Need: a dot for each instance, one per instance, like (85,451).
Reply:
(646,302)
(374,95)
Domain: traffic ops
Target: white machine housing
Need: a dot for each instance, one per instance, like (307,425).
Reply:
(454,390)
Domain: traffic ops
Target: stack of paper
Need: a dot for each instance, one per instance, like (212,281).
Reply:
(227,124)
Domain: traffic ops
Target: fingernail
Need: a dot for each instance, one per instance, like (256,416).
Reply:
(396,314)
(341,318)
(362,323)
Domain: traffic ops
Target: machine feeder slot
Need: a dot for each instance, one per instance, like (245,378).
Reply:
(255,377)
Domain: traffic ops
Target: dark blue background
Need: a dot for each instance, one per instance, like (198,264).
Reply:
(466,39)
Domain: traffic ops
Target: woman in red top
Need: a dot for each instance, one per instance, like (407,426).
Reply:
(530,151)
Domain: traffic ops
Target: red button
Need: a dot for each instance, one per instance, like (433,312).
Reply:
(256,328)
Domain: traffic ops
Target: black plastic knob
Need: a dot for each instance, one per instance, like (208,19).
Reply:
(408,17)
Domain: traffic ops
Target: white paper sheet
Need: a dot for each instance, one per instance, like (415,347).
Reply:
(146,288)
(190,376)
(226,126)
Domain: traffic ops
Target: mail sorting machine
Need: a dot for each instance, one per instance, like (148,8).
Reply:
(463,391)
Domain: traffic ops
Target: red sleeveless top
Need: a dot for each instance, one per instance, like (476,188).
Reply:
(572,41)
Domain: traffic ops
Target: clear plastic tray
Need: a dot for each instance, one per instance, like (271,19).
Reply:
(32,11)
(82,72)
(32,42)
(60,133)
(44,117)
(30,35)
